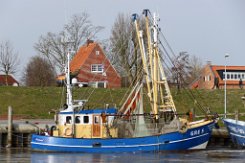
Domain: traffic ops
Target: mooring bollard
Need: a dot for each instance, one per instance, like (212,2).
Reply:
(10,124)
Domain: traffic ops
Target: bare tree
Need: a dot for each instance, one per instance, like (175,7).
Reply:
(196,66)
(124,47)
(8,60)
(186,69)
(181,69)
(54,46)
(39,72)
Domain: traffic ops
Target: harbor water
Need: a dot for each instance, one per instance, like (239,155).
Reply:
(25,155)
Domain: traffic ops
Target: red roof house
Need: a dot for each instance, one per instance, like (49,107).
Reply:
(213,76)
(10,80)
(90,66)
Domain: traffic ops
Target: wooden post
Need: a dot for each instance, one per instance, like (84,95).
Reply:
(0,140)
(10,124)
(236,115)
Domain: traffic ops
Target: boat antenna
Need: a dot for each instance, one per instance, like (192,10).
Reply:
(68,41)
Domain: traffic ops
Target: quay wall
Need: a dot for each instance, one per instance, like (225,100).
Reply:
(22,131)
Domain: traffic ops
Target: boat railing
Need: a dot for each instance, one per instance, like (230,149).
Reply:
(237,115)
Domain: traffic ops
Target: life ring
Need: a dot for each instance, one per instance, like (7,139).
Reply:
(67,131)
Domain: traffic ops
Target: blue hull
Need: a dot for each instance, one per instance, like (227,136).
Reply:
(195,138)
(236,131)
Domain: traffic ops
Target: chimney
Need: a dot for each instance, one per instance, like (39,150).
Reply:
(89,41)
(209,62)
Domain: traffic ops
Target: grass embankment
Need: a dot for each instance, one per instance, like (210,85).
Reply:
(36,102)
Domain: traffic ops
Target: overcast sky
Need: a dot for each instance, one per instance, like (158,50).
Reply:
(205,28)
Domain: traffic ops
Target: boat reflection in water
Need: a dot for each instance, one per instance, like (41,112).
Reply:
(185,156)
(26,155)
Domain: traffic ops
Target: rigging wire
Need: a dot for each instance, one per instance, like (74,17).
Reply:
(189,92)
(91,90)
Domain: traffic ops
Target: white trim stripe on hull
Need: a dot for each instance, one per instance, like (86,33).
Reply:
(122,146)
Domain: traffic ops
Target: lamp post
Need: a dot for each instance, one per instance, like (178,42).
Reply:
(225,78)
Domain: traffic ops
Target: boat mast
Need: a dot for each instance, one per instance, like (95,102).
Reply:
(157,86)
(155,76)
(159,77)
(69,92)
(68,82)
(143,56)
(149,52)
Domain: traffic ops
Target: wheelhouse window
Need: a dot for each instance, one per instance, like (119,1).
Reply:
(86,119)
(68,119)
(77,119)
(96,119)
(97,68)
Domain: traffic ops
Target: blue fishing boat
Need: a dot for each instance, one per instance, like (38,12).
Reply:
(194,138)
(128,128)
(236,130)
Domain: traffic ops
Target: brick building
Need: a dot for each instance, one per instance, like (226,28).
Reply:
(91,67)
(212,76)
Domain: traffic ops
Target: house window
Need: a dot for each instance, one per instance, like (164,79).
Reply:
(207,78)
(98,84)
(97,68)
(101,84)
(228,76)
(93,84)
(97,52)
(235,75)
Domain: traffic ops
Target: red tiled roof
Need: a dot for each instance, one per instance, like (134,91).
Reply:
(81,56)
(10,80)
(218,67)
